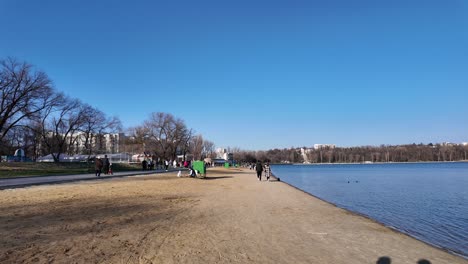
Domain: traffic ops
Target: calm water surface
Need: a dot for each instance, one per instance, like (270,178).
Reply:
(428,201)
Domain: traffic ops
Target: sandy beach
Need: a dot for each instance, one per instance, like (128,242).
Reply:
(229,217)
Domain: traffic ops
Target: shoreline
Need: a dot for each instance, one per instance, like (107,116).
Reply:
(227,217)
(369,163)
(377,222)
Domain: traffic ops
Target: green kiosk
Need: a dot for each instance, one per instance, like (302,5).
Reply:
(199,167)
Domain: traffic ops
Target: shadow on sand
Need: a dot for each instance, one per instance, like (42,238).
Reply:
(388,260)
(217,177)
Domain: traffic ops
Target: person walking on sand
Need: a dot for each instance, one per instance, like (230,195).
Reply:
(204,167)
(98,166)
(267,171)
(259,168)
(106,165)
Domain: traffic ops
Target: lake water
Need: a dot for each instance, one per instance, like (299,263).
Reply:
(428,201)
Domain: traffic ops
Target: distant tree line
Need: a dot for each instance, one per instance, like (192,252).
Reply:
(383,153)
(388,153)
(291,155)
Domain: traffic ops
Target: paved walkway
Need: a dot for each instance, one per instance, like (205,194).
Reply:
(20,182)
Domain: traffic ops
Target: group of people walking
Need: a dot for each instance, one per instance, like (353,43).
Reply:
(260,168)
(150,164)
(102,165)
(147,164)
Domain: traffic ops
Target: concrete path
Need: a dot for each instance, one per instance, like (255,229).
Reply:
(21,182)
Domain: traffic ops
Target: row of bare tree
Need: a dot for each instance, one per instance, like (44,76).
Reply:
(41,120)
(383,153)
(164,136)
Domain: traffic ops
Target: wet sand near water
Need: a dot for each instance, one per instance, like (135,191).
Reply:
(229,217)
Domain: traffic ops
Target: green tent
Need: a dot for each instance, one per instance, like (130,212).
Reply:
(199,166)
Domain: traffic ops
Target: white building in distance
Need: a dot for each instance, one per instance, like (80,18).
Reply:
(222,153)
(107,143)
(324,146)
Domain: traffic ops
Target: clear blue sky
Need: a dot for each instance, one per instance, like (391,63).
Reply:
(258,74)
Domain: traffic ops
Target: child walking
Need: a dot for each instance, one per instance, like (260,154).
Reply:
(110,169)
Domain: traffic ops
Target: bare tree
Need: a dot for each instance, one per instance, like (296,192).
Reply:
(166,134)
(156,133)
(59,123)
(208,149)
(465,149)
(24,92)
(108,126)
(92,118)
(21,137)
(196,147)
(182,137)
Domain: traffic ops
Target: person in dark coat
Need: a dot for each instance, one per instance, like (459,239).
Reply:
(259,168)
(98,166)
(106,165)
